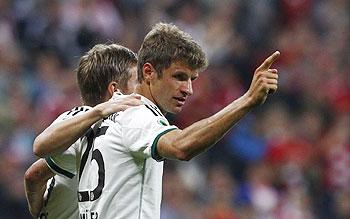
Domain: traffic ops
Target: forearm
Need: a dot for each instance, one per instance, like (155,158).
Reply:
(35,180)
(34,195)
(193,140)
(58,137)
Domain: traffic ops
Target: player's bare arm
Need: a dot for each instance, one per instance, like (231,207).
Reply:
(35,180)
(58,137)
(191,141)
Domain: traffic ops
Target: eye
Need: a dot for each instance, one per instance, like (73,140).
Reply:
(181,77)
(194,78)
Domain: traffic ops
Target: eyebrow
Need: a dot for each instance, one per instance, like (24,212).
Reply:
(195,76)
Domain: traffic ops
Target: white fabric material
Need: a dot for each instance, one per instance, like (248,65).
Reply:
(62,200)
(61,195)
(120,165)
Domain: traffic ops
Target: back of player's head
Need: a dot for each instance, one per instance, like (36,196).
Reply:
(100,66)
(166,44)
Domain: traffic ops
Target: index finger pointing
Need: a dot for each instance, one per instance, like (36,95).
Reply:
(268,62)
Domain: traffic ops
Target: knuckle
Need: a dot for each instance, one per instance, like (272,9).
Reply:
(262,80)
(259,74)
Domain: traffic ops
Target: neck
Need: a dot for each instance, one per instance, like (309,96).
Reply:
(144,90)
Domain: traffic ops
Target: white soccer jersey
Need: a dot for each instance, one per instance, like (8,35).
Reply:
(61,194)
(120,176)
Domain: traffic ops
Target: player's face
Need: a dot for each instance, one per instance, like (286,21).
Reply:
(132,82)
(171,91)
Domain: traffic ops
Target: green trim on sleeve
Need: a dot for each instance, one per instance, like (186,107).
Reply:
(58,169)
(154,152)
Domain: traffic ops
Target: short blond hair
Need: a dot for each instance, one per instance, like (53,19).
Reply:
(100,66)
(166,44)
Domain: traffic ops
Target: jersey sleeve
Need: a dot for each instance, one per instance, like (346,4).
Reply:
(141,131)
(64,164)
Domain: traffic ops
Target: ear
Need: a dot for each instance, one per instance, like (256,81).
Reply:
(112,87)
(148,72)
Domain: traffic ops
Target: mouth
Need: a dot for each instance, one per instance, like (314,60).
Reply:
(180,100)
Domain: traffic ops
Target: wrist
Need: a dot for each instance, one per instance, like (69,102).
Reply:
(33,212)
(97,112)
(248,101)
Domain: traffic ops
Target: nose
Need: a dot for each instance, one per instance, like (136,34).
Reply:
(187,88)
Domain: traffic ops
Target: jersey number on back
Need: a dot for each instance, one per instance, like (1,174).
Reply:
(84,196)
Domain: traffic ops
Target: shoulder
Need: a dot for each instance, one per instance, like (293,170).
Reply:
(140,114)
(73,112)
(77,110)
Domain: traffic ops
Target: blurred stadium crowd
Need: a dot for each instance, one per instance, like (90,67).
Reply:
(289,159)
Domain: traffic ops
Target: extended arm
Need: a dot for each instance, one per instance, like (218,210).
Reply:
(58,137)
(187,143)
(35,180)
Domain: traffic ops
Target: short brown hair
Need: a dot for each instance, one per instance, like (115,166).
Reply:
(166,44)
(100,66)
